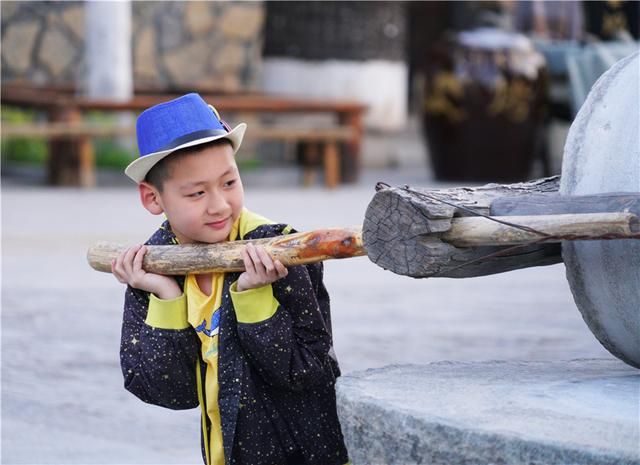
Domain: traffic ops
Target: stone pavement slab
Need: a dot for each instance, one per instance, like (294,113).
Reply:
(555,412)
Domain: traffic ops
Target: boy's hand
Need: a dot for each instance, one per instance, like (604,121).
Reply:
(127,269)
(261,269)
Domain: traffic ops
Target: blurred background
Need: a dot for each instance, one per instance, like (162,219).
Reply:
(337,95)
(479,91)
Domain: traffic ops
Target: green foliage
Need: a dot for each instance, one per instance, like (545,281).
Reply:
(112,155)
(15,115)
(24,150)
(109,153)
(248,163)
(21,149)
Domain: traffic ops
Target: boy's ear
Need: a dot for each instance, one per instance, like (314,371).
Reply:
(150,198)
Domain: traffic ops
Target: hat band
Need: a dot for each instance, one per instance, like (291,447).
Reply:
(202,134)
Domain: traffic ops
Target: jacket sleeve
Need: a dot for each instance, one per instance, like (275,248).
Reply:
(158,351)
(284,329)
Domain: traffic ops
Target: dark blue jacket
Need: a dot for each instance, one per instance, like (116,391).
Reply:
(276,377)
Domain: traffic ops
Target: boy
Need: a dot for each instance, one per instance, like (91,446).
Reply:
(253,349)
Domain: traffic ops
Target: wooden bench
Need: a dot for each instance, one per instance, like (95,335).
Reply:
(71,158)
(79,170)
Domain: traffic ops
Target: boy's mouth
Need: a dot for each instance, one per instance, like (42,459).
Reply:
(218,224)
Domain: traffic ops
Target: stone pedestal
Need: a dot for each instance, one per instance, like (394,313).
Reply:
(573,412)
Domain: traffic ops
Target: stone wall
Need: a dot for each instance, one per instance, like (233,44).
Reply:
(174,44)
(42,42)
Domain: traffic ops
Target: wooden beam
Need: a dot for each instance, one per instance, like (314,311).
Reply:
(250,102)
(65,129)
(291,249)
(403,228)
(79,128)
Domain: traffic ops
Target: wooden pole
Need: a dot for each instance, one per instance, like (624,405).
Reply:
(314,246)
(479,231)
(331,162)
(292,249)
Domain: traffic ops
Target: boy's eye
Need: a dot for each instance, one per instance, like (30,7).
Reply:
(230,183)
(196,194)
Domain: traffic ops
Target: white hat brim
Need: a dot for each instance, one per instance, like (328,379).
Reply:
(138,169)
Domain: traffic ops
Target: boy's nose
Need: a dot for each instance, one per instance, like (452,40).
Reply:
(217,204)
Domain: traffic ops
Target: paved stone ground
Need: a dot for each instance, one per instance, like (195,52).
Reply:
(62,395)
(508,412)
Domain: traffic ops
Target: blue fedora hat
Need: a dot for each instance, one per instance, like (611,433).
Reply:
(178,124)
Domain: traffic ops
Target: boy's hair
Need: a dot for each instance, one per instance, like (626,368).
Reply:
(160,172)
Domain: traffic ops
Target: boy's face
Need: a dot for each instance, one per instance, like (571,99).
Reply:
(202,197)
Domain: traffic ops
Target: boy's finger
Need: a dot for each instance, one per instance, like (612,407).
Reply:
(118,264)
(132,256)
(257,263)
(116,273)
(248,262)
(128,259)
(137,259)
(280,269)
(266,260)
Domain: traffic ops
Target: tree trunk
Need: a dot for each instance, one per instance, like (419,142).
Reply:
(400,223)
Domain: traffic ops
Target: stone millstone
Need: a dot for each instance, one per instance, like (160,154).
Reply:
(539,413)
(602,154)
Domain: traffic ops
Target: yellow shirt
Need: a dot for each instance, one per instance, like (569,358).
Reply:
(203,314)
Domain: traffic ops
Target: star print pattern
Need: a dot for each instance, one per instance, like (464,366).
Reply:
(276,377)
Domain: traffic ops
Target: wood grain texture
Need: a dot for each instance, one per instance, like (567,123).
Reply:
(292,249)
(399,225)
(406,232)
(479,231)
